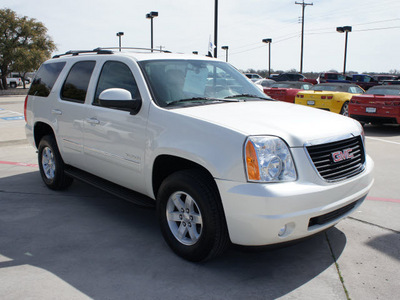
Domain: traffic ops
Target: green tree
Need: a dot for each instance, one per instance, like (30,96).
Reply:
(24,44)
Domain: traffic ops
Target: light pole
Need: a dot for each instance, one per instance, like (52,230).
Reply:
(268,41)
(119,34)
(215,28)
(151,15)
(226,54)
(345,29)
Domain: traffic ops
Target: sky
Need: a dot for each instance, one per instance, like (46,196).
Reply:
(184,26)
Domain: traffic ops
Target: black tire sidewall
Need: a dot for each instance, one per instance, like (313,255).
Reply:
(195,185)
(60,180)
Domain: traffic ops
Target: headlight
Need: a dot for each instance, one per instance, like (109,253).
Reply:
(268,159)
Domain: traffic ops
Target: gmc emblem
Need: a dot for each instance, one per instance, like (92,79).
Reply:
(342,155)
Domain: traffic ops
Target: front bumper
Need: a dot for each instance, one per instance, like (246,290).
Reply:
(265,214)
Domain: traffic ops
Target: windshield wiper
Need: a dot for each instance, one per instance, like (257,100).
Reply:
(247,96)
(194,99)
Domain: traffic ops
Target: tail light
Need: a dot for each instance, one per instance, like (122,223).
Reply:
(25,104)
(300,96)
(326,97)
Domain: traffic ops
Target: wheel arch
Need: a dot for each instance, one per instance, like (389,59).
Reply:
(40,130)
(164,165)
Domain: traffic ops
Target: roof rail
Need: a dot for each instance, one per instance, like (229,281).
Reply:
(77,52)
(132,48)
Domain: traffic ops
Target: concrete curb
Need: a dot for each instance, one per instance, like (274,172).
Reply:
(16,91)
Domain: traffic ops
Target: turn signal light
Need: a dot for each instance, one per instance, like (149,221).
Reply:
(253,170)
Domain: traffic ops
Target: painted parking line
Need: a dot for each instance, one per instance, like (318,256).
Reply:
(13,118)
(8,115)
(18,164)
(383,199)
(382,140)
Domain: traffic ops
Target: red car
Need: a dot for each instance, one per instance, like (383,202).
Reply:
(286,90)
(380,104)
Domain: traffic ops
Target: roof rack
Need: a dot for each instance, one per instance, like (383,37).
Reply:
(132,48)
(77,52)
(107,50)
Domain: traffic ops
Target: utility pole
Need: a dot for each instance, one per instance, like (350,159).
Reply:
(302,32)
(215,28)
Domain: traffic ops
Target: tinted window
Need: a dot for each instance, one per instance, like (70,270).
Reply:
(45,79)
(116,75)
(76,84)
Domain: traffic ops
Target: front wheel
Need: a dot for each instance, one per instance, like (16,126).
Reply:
(51,164)
(191,215)
(345,109)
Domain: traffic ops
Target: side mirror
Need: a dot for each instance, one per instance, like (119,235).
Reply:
(120,99)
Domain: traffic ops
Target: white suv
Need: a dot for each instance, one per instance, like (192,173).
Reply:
(191,135)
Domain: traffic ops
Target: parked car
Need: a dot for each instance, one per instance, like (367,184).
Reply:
(253,76)
(289,77)
(221,162)
(362,80)
(13,82)
(286,90)
(380,104)
(383,78)
(265,82)
(334,97)
(333,77)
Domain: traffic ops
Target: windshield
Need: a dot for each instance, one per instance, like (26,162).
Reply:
(333,88)
(197,82)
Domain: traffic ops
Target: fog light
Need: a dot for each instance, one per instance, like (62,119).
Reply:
(286,230)
(282,230)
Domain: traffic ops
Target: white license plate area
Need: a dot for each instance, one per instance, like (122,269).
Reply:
(310,102)
(370,110)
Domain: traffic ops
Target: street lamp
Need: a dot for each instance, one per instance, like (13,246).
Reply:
(345,29)
(226,54)
(268,41)
(119,34)
(151,15)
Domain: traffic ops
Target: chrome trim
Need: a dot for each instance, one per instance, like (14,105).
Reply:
(332,140)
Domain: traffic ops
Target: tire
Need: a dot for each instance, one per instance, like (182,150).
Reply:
(191,216)
(13,84)
(51,165)
(345,109)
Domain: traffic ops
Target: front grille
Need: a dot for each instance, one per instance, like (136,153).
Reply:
(333,215)
(338,160)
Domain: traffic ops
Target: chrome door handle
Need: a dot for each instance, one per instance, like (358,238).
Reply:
(93,121)
(56,112)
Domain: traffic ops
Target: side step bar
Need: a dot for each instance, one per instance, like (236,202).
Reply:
(112,188)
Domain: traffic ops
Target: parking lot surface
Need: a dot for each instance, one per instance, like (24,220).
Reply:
(83,243)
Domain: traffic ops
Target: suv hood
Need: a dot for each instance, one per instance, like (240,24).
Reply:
(296,124)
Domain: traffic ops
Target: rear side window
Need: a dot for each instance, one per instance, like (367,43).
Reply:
(45,79)
(77,82)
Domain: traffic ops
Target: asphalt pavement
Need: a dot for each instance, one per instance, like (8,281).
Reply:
(85,244)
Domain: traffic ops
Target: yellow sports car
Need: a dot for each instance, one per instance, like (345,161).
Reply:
(333,97)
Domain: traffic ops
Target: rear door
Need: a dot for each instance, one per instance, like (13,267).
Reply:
(69,112)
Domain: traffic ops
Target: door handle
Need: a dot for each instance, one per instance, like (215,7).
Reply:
(93,121)
(56,112)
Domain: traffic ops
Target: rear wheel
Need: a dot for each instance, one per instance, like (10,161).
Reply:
(345,109)
(191,216)
(13,84)
(51,164)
